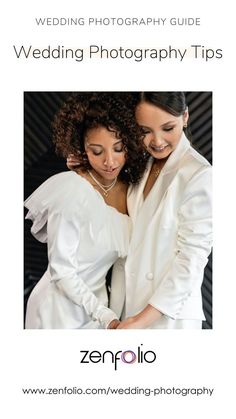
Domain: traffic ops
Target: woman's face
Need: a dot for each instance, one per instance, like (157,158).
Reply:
(161,129)
(106,153)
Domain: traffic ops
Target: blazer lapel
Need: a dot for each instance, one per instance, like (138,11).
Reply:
(143,211)
(135,194)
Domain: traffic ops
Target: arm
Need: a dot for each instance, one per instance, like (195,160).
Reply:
(63,242)
(193,245)
(142,320)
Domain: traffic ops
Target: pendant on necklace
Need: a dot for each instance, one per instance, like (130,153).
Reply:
(157,172)
(105,188)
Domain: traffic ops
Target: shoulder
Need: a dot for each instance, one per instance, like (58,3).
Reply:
(66,193)
(193,164)
(61,182)
(193,157)
(196,173)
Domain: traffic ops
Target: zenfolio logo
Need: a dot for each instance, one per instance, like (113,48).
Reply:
(128,356)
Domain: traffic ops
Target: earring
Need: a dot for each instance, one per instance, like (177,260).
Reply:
(185,125)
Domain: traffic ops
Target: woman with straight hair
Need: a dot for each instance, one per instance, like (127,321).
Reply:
(172,233)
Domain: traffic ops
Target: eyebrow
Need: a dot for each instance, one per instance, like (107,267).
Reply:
(168,122)
(99,145)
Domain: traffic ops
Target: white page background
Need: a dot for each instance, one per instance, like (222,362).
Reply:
(185,358)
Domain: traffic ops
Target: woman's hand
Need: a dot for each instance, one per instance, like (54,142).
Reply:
(142,320)
(113,324)
(72,162)
(130,323)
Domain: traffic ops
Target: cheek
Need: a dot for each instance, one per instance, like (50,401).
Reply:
(92,159)
(174,139)
(121,158)
(177,140)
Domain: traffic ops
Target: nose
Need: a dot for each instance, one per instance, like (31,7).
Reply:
(157,139)
(109,160)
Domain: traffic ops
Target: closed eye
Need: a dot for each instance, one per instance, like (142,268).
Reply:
(119,149)
(96,153)
(167,129)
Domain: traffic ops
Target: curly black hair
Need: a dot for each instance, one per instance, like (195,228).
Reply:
(112,110)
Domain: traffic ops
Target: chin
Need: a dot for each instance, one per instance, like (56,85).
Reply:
(161,156)
(110,176)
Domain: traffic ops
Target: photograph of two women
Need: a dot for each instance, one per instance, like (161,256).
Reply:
(118,217)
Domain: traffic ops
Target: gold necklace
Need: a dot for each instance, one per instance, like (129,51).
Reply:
(105,188)
(156,171)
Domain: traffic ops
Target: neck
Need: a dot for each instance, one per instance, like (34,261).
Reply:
(160,162)
(100,179)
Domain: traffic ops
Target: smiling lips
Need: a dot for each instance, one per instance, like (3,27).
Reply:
(158,149)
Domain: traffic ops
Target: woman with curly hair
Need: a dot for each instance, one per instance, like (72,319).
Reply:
(82,214)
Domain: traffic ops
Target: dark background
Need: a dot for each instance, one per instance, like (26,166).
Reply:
(41,163)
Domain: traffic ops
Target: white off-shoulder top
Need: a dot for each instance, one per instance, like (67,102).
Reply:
(85,236)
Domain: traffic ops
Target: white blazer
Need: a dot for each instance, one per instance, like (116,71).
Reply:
(171,240)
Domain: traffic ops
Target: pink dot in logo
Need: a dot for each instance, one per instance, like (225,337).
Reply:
(128,353)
